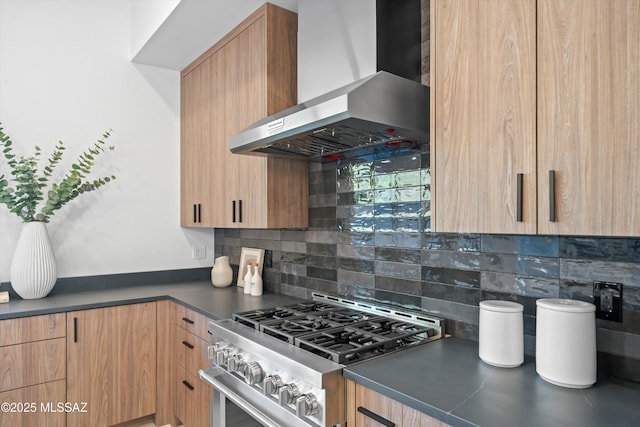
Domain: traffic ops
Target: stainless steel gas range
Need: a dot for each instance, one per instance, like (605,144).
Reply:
(282,366)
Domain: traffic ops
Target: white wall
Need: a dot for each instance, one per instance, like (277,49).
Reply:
(65,74)
(146,17)
(336,44)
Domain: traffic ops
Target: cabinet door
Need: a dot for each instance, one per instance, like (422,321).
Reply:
(245,75)
(588,109)
(483,74)
(111,363)
(45,413)
(195,147)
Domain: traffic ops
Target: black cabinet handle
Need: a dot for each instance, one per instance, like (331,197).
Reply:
(552,196)
(189,321)
(233,213)
(377,418)
(240,210)
(519,197)
(199,212)
(186,383)
(187,344)
(75,329)
(195,213)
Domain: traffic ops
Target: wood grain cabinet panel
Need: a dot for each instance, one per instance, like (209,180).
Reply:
(483,130)
(45,413)
(248,75)
(542,89)
(34,328)
(588,109)
(111,363)
(22,365)
(367,408)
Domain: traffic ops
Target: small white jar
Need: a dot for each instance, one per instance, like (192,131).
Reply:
(566,342)
(501,333)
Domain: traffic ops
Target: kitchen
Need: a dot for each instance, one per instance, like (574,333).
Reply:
(341,252)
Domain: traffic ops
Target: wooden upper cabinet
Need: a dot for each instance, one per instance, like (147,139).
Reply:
(588,116)
(491,121)
(251,74)
(483,122)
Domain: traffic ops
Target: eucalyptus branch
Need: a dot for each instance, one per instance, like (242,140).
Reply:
(24,199)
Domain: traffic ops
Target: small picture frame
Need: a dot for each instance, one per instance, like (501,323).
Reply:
(249,255)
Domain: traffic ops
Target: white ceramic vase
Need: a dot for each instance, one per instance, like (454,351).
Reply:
(221,273)
(33,269)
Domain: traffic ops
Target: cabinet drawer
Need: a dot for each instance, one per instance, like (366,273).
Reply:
(32,363)
(193,322)
(45,397)
(34,328)
(193,398)
(190,351)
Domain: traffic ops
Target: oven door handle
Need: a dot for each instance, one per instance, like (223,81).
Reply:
(235,398)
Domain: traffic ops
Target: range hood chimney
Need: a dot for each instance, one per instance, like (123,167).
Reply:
(389,106)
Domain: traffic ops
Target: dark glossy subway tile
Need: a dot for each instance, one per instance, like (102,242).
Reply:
(322,200)
(298,247)
(323,224)
(322,236)
(356,252)
(355,291)
(294,291)
(453,242)
(293,279)
(411,256)
(355,198)
(260,234)
(449,259)
(294,269)
(398,270)
(232,232)
(390,164)
(356,278)
(515,284)
(322,273)
(273,245)
(521,264)
(400,240)
(583,270)
(452,276)
(398,225)
(322,249)
(355,211)
(293,235)
(293,257)
(548,246)
(403,286)
(528,302)
(613,249)
(399,210)
(321,285)
(462,330)
(322,212)
(329,262)
(356,238)
(451,310)
(469,296)
(345,185)
(354,224)
(363,266)
(411,302)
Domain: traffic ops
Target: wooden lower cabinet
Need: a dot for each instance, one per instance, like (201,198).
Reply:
(33,371)
(373,405)
(37,405)
(111,364)
(193,397)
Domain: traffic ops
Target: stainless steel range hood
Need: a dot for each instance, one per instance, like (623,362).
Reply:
(381,108)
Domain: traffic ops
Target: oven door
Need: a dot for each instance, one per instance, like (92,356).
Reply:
(248,399)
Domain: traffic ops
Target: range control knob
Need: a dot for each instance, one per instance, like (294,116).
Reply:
(271,384)
(253,373)
(213,350)
(236,363)
(222,356)
(307,404)
(287,394)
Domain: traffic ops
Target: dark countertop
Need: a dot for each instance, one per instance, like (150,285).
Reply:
(447,380)
(444,379)
(216,303)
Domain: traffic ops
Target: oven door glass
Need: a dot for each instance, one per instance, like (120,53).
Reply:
(247,399)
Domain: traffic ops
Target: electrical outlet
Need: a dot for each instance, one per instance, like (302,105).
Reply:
(607,297)
(199,251)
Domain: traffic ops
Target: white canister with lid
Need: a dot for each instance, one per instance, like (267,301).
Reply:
(566,342)
(501,333)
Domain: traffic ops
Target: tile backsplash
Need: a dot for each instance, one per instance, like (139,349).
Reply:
(369,238)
